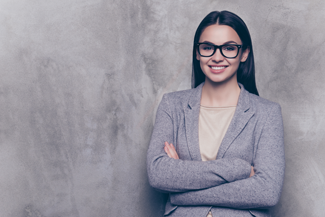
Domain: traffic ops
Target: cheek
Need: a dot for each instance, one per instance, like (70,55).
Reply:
(203,61)
(235,62)
(203,66)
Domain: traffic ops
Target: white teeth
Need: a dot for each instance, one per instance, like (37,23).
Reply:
(217,68)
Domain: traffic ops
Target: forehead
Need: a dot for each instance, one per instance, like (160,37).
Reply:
(219,34)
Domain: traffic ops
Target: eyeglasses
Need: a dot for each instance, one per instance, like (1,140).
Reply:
(227,50)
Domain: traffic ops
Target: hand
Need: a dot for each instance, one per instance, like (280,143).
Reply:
(252,172)
(170,150)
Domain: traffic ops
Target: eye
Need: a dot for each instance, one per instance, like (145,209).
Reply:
(206,47)
(229,48)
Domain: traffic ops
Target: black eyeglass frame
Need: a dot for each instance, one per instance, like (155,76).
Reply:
(215,47)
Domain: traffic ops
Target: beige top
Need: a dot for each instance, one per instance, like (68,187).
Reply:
(213,125)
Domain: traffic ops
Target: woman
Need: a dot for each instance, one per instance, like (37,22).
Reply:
(228,158)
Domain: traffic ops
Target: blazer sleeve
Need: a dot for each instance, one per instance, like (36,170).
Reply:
(170,175)
(259,191)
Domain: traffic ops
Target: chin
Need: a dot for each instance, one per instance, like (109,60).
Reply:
(221,79)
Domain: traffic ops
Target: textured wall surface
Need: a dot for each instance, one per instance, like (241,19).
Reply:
(81,80)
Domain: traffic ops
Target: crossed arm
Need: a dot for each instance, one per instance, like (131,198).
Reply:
(171,152)
(259,191)
(225,182)
(238,194)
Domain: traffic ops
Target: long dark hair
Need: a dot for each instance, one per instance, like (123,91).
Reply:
(246,70)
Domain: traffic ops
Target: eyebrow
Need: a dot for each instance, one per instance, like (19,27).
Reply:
(227,42)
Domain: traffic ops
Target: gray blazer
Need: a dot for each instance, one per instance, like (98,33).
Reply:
(254,137)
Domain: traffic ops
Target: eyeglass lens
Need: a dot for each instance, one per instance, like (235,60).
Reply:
(227,50)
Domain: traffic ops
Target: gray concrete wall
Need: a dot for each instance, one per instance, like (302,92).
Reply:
(81,80)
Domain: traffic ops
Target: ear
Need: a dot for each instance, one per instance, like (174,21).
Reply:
(244,55)
(197,55)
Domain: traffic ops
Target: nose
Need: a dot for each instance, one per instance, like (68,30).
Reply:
(217,56)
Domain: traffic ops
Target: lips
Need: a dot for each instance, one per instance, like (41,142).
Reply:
(217,67)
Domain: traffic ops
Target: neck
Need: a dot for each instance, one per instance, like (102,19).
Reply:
(220,94)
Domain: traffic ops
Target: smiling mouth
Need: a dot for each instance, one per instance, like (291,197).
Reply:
(217,67)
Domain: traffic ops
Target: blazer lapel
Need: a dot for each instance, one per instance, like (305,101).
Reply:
(192,111)
(242,115)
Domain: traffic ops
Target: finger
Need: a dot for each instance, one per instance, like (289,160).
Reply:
(172,151)
(252,172)
(166,146)
(167,151)
(175,155)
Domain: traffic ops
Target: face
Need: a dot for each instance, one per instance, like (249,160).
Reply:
(217,68)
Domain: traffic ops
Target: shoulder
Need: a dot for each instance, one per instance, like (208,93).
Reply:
(261,102)
(178,98)
(264,106)
(174,103)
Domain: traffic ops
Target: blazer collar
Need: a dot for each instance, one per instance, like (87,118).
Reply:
(244,112)
(242,115)
(192,111)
